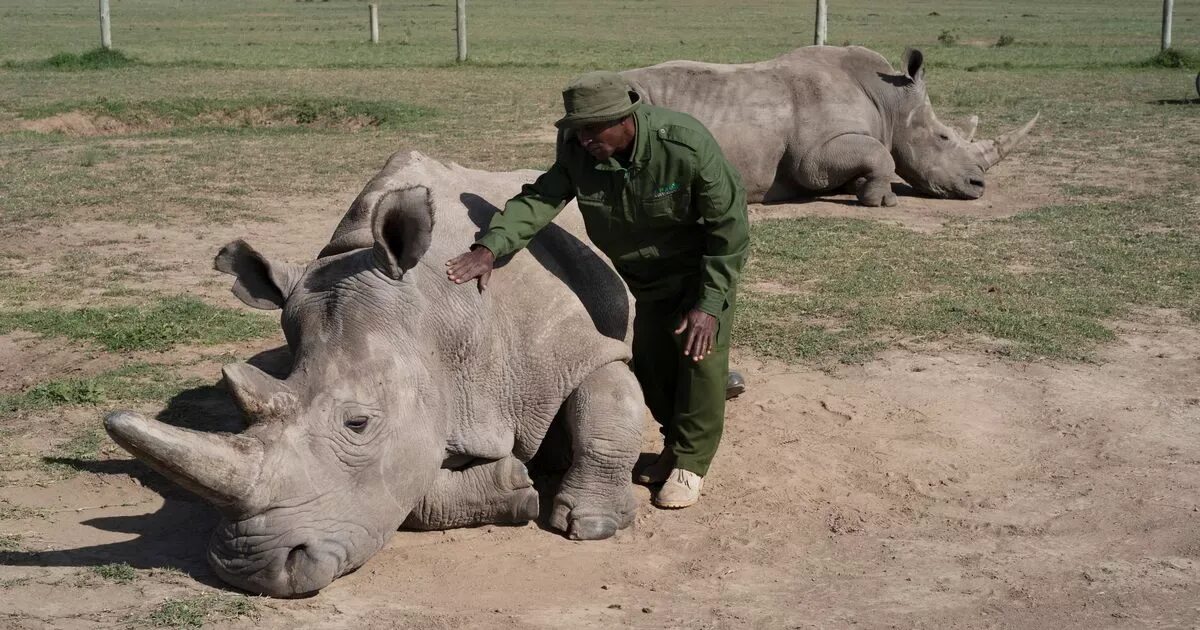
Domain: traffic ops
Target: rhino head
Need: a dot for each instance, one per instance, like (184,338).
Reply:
(336,455)
(935,158)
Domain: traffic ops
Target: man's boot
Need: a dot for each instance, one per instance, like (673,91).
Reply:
(735,385)
(682,489)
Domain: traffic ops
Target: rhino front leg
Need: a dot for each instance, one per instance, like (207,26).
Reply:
(604,417)
(498,491)
(851,157)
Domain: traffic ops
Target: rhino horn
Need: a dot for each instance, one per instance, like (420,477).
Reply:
(998,149)
(219,467)
(972,125)
(260,396)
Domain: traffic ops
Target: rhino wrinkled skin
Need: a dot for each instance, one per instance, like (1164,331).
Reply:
(820,117)
(412,401)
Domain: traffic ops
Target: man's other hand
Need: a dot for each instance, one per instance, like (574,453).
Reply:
(701,332)
(476,263)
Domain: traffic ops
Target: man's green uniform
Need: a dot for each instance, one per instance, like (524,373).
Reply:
(673,221)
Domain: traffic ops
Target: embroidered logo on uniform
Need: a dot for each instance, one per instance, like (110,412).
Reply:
(664,191)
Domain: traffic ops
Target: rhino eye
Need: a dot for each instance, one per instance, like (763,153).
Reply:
(357,424)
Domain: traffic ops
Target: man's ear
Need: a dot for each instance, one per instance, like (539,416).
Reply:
(403,228)
(260,283)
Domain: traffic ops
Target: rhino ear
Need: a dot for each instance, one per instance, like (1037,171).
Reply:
(260,282)
(914,64)
(403,228)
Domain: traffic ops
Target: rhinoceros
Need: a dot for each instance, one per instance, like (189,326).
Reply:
(412,401)
(820,117)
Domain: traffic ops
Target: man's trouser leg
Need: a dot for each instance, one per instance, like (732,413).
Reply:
(686,397)
(655,359)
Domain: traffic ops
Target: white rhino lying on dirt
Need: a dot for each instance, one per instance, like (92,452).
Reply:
(412,400)
(820,117)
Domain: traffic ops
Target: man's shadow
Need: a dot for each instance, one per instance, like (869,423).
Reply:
(176,536)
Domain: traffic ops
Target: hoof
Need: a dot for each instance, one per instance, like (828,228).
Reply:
(526,506)
(592,528)
(511,474)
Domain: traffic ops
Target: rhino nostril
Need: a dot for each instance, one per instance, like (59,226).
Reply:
(295,557)
(976,182)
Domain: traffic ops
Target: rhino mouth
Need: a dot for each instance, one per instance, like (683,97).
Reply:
(287,571)
(972,189)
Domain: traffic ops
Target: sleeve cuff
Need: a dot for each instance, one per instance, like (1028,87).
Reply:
(496,243)
(712,303)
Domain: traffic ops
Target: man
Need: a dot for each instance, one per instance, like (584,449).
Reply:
(659,199)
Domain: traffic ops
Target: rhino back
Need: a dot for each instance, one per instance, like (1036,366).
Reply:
(551,314)
(770,114)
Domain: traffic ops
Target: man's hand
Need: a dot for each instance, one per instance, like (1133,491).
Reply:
(476,263)
(702,331)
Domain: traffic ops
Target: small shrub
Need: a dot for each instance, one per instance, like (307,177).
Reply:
(948,38)
(1174,58)
(120,573)
(91,157)
(1005,40)
(194,612)
(96,59)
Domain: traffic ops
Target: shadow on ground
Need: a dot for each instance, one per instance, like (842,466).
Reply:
(176,536)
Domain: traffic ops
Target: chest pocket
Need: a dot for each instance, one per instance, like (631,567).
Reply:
(667,206)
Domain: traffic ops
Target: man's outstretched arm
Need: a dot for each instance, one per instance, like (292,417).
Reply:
(511,230)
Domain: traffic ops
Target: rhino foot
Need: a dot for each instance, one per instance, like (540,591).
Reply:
(593,522)
(511,474)
(592,528)
(874,199)
(526,505)
(523,500)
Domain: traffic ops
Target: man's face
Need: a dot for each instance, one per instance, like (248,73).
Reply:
(605,139)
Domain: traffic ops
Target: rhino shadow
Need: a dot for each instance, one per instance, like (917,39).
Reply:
(176,536)
(586,269)
(1176,101)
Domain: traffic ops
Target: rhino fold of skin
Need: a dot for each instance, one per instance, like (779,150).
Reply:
(412,401)
(821,117)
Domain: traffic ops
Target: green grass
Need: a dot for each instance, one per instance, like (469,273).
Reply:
(135,382)
(1108,99)
(316,112)
(10,542)
(171,322)
(1175,58)
(198,610)
(95,59)
(1041,285)
(332,35)
(120,573)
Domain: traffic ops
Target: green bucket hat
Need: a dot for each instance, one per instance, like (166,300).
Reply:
(597,97)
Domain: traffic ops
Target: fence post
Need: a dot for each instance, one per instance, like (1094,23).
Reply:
(105,27)
(1168,9)
(461,11)
(374,11)
(822,23)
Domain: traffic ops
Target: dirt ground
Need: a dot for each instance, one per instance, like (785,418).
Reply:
(925,488)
